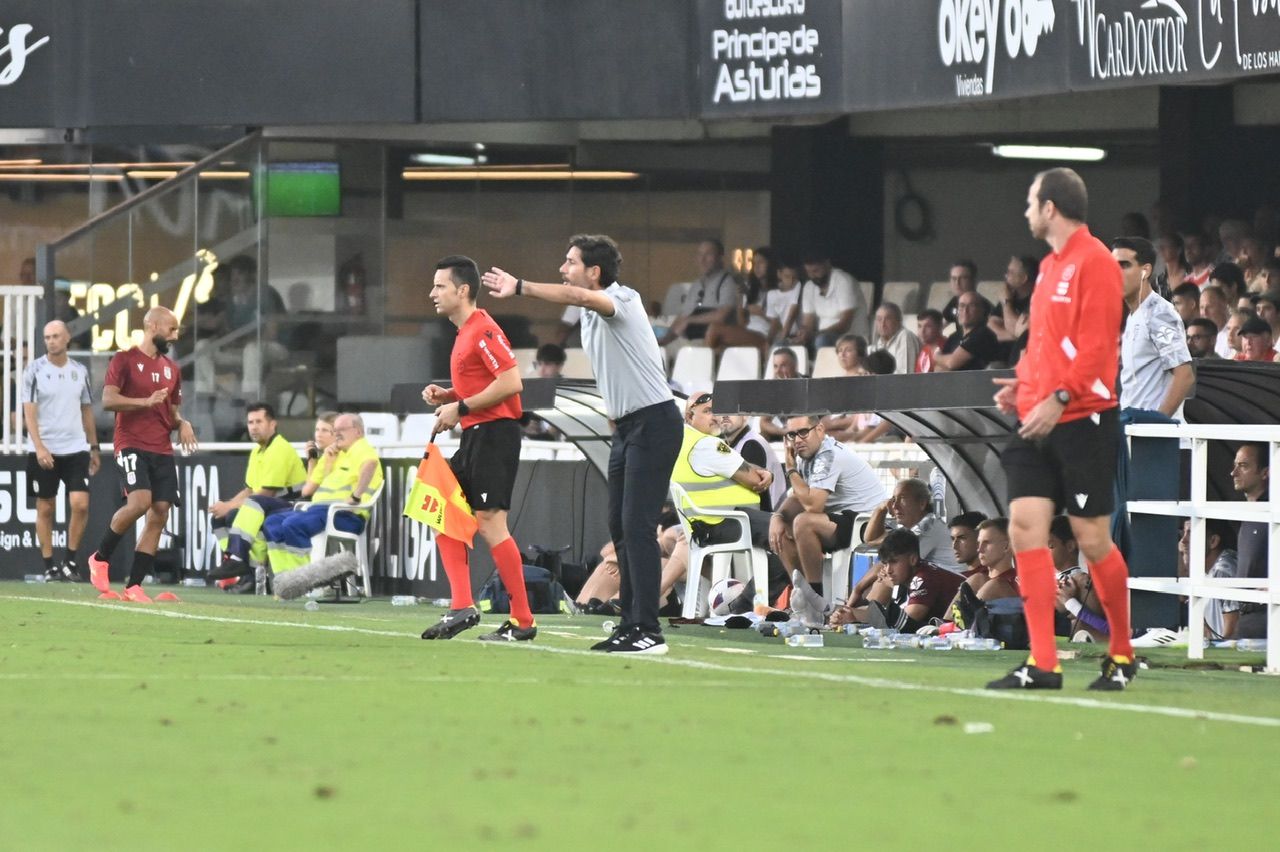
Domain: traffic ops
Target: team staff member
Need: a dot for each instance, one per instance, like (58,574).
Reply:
(62,444)
(628,367)
(274,476)
(1064,450)
(144,388)
(485,400)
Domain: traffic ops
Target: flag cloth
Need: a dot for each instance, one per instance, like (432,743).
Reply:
(436,499)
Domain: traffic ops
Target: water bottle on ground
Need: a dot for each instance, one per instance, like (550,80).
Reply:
(194,582)
(444,602)
(805,640)
(609,627)
(34,578)
(260,580)
(311,606)
(404,600)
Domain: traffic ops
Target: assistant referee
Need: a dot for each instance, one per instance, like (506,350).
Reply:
(628,366)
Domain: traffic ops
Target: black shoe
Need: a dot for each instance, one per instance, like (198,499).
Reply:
(71,573)
(639,642)
(53,575)
(614,637)
(247,586)
(227,569)
(1115,675)
(1027,676)
(510,631)
(452,623)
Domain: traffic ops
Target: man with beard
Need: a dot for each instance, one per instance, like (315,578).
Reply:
(144,388)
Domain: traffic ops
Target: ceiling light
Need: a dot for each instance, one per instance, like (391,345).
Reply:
(1061,153)
(516,174)
(442,160)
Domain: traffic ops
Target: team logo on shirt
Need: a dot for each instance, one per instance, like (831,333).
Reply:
(722,448)
(167,375)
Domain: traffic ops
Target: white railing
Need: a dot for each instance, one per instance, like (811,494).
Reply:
(1198,588)
(20,305)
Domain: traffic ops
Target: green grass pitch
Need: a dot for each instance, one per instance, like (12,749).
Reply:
(241,723)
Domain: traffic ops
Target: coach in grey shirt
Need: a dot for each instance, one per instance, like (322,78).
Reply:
(1156,372)
(648,426)
(62,444)
(830,485)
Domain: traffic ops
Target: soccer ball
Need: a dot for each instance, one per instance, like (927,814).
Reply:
(723,593)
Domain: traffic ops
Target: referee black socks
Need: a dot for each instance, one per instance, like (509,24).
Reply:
(142,563)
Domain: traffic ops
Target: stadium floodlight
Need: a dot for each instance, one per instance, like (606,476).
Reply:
(1060,153)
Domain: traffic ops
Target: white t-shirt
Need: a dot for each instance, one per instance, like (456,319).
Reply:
(778,302)
(842,294)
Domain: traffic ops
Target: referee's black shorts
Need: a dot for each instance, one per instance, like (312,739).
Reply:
(486,463)
(147,471)
(1075,466)
(71,470)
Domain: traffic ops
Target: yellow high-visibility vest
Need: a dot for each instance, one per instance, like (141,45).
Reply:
(708,492)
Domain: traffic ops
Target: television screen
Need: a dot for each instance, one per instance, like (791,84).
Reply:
(301,189)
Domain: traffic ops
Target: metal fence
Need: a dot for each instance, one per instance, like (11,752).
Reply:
(20,305)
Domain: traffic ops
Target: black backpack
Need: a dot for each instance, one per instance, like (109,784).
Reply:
(1002,619)
(546,595)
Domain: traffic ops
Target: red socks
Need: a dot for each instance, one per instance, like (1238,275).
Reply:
(1036,582)
(453,553)
(1111,578)
(511,569)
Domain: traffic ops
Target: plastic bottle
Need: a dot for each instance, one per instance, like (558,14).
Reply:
(34,578)
(981,644)
(404,600)
(936,643)
(196,582)
(609,627)
(260,580)
(1251,644)
(444,602)
(311,606)
(805,640)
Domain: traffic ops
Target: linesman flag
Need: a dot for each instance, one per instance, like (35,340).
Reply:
(436,499)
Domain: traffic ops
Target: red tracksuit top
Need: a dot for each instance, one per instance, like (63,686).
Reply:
(1074,339)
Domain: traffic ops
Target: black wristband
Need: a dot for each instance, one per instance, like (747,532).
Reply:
(463,408)
(95,448)
(787,473)
(519,286)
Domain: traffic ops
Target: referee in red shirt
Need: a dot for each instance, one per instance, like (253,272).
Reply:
(1064,450)
(485,400)
(144,388)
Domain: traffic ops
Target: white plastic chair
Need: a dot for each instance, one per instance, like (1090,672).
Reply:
(577,365)
(677,295)
(359,541)
(826,363)
(992,291)
(416,428)
(902,293)
(693,368)
(739,362)
(524,360)
(939,295)
(838,564)
(724,557)
(380,427)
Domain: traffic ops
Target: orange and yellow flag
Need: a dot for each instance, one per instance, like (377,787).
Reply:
(436,499)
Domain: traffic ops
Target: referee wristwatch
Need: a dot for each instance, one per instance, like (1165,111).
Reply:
(1063,396)
(463,408)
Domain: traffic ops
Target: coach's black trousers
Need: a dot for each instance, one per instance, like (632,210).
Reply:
(645,445)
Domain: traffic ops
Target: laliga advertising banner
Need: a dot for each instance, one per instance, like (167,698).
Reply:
(769,57)
(935,52)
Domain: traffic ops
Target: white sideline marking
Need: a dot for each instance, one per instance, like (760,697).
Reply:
(827,677)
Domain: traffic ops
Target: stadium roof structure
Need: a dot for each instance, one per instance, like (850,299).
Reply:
(951,416)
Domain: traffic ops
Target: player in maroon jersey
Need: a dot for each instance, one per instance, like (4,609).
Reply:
(144,388)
